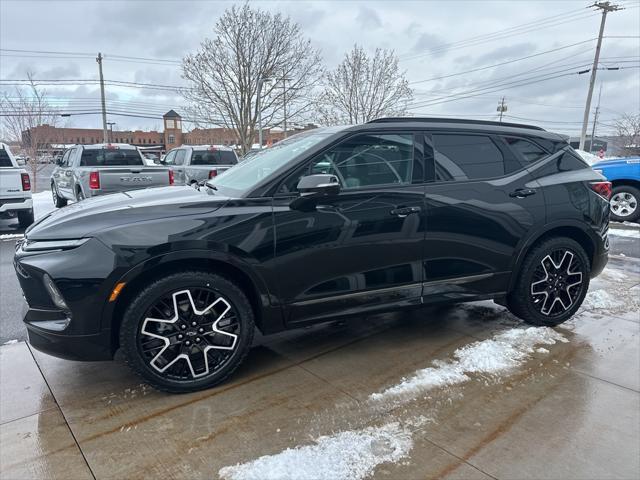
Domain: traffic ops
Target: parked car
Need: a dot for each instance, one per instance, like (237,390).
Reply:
(624,175)
(327,224)
(199,163)
(15,189)
(90,170)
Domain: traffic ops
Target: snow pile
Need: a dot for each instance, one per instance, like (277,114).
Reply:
(601,299)
(624,232)
(352,454)
(504,352)
(42,204)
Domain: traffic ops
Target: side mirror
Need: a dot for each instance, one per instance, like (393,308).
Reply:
(312,188)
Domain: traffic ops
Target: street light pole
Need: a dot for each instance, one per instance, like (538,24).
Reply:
(260,83)
(111,124)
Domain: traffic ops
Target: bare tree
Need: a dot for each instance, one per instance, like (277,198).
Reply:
(362,88)
(627,129)
(21,113)
(251,47)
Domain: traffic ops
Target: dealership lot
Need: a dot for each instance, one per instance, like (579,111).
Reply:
(565,406)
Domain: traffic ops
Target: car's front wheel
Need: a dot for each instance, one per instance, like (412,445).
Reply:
(624,204)
(552,282)
(187,331)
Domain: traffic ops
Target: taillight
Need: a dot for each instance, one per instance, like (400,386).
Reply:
(212,174)
(26,182)
(602,188)
(171,178)
(94,181)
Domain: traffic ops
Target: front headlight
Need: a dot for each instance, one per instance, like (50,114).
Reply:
(41,245)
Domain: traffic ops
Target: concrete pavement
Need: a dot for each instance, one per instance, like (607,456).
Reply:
(568,410)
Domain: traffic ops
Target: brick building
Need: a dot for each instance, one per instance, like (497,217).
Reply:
(172,136)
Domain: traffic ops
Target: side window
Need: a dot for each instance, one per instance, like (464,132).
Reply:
(528,151)
(466,157)
(368,160)
(180,154)
(170,158)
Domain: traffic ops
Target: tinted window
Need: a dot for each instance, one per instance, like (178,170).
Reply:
(109,158)
(528,151)
(180,154)
(466,157)
(213,157)
(369,160)
(5,161)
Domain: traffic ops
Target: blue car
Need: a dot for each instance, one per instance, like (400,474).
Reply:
(624,175)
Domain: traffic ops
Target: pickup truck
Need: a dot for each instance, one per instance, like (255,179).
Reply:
(195,164)
(89,170)
(15,189)
(624,175)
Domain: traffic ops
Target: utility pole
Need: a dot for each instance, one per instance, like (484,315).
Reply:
(502,107)
(595,120)
(284,103)
(111,124)
(104,107)
(606,7)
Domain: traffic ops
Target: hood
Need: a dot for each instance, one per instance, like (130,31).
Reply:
(92,215)
(614,162)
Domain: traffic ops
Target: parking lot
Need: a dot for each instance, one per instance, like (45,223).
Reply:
(457,392)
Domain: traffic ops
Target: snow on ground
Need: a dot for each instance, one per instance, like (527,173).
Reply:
(500,354)
(601,299)
(620,232)
(42,204)
(352,454)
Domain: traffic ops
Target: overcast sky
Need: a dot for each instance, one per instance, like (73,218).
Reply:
(433,39)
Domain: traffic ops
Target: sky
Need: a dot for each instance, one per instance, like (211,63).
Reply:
(461,57)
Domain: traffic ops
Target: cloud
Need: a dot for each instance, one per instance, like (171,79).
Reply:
(429,43)
(368,18)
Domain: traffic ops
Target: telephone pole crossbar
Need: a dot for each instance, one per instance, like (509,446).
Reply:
(606,7)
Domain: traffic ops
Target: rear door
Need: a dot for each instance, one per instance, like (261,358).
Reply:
(179,166)
(359,250)
(64,179)
(480,202)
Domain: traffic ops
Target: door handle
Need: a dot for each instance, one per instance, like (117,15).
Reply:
(522,192)
(405,211)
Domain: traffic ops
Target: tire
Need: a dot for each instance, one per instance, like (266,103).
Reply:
(539,286)
(79,195)
(58,201)
(625,204)
(156,343)
(25,218)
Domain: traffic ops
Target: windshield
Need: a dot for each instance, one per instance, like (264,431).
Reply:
(103,157)
(248,173)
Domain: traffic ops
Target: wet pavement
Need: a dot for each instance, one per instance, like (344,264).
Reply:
(316,403)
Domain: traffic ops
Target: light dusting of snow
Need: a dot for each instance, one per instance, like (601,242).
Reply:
(11,236)
(619,232)
(500,354)
(10,342)
(352,454)
(42,204)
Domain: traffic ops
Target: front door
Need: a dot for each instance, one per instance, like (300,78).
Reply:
(359,250)
(481,202)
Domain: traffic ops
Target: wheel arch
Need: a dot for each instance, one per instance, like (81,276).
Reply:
(574,231)
(625,181)
(267,318)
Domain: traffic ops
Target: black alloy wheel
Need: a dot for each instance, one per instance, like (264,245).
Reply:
(187,331)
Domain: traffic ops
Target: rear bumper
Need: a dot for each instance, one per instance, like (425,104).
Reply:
(13,204)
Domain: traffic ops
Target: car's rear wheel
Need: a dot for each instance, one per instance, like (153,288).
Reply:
(80,195)
(624,203)
(187,331)
(58,201)
(552,282)
(25,218)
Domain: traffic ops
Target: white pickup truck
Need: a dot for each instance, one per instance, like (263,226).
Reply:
(15,189)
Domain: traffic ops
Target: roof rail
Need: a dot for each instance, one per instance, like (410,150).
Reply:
(452,120)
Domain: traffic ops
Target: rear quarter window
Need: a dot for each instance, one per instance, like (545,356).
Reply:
(528,151)
(110,158)
(5,161)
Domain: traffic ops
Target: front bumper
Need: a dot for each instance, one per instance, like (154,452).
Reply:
(83,275)
(13,204)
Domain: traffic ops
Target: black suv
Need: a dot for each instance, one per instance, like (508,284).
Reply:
(330,223)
